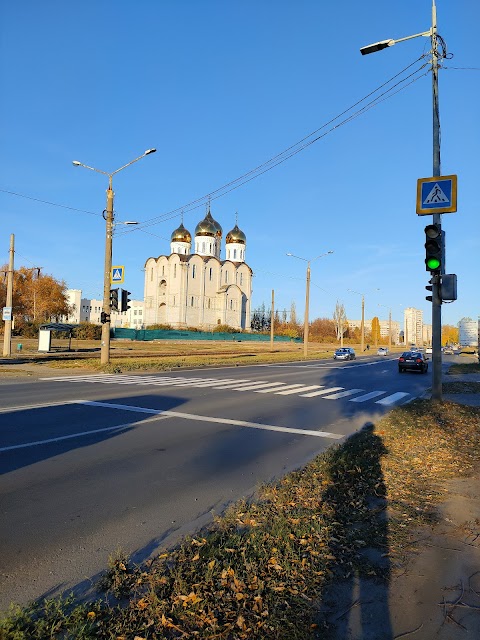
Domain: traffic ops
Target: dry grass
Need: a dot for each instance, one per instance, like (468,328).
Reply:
(260,571)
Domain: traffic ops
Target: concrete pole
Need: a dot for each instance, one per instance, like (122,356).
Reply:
(307,303)
(7,336)
(272,320)
(362,326)
(105,347)
(437,219)
(389,329)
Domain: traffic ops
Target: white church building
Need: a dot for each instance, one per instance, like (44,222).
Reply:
(193,286)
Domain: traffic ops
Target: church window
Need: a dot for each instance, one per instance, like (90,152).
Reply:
(209,303)
(151,273)
(234,254)
(241,278)
(211,274)
(231,305)
(194,269)
(226,277)
(191,302)
(203,247)
(174,270)
(163,270)
(173,300)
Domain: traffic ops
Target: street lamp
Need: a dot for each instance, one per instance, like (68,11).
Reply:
(389,325)
(307,297)
(105,347)
(436,296)
(362,324)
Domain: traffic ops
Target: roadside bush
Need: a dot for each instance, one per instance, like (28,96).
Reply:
(160,327)
(87,331)
(225,328)
(26,329)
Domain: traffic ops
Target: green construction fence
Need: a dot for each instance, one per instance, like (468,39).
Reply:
(173,334)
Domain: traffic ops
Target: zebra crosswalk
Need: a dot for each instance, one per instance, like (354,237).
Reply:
(383,398)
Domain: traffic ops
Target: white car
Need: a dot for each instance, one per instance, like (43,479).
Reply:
(382,351)
(429,350)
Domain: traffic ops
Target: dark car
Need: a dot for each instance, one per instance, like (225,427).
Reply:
(412,361)
(345,353)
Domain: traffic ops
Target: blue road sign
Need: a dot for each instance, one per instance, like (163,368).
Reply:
(436,195)
(118,274)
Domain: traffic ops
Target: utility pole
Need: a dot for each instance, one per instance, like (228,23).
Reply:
(272,320)
(105,346)
(437,219)
(7,336)
(307,302)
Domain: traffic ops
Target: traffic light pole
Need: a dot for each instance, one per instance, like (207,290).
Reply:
(105,347)
(437,219)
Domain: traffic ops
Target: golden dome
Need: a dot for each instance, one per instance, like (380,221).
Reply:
(217,224)
(206,228)
(236,235)
(181,235)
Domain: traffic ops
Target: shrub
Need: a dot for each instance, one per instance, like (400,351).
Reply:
(160,327)
(87,331)
(225,328)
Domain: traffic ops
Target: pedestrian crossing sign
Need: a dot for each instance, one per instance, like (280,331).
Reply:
(117,275)
(436,195)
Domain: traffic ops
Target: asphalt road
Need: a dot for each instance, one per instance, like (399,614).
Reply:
(93,463)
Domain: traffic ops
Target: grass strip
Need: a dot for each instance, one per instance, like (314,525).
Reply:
(262,569)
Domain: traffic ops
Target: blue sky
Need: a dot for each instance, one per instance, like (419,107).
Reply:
(219,87)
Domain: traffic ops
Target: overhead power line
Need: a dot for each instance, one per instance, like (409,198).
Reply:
(296,148)
(276,160)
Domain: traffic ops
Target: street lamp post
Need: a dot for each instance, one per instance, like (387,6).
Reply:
(307,297)
(362,323)
(437,218)
(109,217)
(389,325)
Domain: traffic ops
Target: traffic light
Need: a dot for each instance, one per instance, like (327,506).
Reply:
(434,248)
(449,287)
(104,317)
(114,299)
(429,287)
(124,306)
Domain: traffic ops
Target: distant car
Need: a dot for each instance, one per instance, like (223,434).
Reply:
(429,350)
(382,351)
(345,353)
(448,351)
(412,361)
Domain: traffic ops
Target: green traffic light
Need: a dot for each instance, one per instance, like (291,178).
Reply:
(433,263)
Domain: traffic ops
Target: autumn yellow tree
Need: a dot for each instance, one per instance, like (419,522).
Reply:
(450,334)
(36,297)
(376,330)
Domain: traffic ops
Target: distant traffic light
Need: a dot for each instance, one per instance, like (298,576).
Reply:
(429,287)
(434,248)
(124,306)
(114,299)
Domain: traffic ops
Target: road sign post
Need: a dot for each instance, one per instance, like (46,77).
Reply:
(117,275)
(436,195)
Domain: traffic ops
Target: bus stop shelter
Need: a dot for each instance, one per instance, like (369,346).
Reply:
(45,336)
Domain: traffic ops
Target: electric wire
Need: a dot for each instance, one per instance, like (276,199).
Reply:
(287,153)
(273,162)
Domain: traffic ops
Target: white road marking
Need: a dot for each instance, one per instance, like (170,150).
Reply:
(287,393)
(236,423)
(321,393)
(80,434)
(254,387)
(236,384)
(343,394)
(368,396)
(391,399)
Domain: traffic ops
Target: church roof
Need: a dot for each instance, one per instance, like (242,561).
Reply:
(208,227)
(181,235)
(236,235)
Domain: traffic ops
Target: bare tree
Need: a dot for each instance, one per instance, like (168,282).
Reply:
(340,320)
